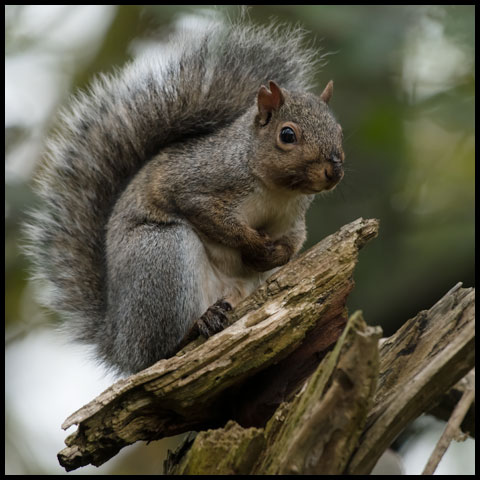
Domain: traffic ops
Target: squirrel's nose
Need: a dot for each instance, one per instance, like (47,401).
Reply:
(334,160)
(334,168)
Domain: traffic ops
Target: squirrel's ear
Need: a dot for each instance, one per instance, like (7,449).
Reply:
(327,93)
(269,100)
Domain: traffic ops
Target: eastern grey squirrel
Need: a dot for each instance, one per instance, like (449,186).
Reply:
(177,185)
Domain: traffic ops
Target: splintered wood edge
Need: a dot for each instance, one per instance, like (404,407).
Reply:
(341,388)
(418,364)
(323,423)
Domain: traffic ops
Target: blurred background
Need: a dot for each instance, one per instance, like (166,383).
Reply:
(404,94)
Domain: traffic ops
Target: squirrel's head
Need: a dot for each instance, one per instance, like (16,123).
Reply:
(299,140)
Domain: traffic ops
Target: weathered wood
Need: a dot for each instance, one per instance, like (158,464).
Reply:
(418,364)
(301,308)
(315,433)
(279,336)
(231,450)
(323,423)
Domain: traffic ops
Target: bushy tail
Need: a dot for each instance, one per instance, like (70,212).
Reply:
(205,80)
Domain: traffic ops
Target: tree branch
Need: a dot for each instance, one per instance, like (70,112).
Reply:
(452,430)
(444,407)
(318,432)
(354,401)
(421,361)
(315,433)
(297,314)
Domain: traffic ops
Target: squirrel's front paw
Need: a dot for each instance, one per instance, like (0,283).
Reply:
(274,254)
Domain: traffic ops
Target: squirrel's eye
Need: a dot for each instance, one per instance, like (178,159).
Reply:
(287,135)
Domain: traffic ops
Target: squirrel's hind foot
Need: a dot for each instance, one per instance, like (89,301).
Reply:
(214,320)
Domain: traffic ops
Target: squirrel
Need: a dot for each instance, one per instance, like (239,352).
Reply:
(178,185)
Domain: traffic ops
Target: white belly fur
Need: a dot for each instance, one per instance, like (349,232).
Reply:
(226,276)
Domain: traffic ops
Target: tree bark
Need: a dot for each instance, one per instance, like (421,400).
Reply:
(340,423)
(419,363)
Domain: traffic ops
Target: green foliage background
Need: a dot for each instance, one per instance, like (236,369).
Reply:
(404,94)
